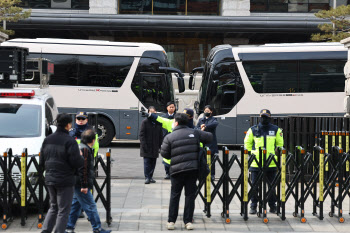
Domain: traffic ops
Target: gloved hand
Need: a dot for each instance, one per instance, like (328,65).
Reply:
(144,112)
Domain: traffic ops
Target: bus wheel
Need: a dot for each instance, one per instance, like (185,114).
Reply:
(105,131)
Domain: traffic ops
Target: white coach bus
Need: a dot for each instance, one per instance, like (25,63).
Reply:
(111,78)
(288,79)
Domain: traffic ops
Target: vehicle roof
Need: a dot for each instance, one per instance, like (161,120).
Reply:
(41,95)
(290,47)
(73,46)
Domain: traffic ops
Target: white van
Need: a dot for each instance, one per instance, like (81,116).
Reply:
(26,116)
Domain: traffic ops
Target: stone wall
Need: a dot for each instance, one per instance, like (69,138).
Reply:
(235,8)
(103,7)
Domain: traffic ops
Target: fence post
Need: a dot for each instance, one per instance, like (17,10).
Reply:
(208,185)
(321,182)
(108,191)
(245,184)
(283,183)
(264,197)
(23,186)
(5,197)
(41,195)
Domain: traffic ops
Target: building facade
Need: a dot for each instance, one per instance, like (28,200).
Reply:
(187,29)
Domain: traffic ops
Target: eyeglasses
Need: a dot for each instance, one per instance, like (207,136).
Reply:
(81,119)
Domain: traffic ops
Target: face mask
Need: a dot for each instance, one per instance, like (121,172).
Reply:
(265,120)
(207,114)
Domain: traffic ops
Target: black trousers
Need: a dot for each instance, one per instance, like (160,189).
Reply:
(178,181)
(60,204)
(149,164)
(270,176)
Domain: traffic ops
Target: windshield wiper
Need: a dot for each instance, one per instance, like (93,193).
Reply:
(7,136)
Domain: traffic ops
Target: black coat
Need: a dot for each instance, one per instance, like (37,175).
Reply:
(151,137)
(60,157)
(181,146)
(210,126)
(86,172)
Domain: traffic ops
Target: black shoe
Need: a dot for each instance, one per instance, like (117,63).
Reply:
(147,181)
(152,181)
(167,177)
(102,231)
(273,209)
(69,230)
(82,215)
(252,210)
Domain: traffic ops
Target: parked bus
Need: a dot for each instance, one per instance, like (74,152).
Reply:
(111,78)
(288,79)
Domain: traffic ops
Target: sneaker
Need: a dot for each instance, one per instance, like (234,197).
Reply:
(152,181)
(252,210)
(147,181)
(102,231)
(273,209)
(69,230)
(170,225)
(167,177)
(189,226)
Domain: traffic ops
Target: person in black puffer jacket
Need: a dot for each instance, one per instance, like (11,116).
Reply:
(60,157)
(83,198)
(182,147)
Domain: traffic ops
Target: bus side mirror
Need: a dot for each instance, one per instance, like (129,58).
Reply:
(181,84)
(191,82)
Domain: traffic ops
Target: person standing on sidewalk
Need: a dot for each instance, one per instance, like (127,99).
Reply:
(208,123)
(60,158)
(151,137)
(171,108)
(263,135)
(83,198)
(182,147)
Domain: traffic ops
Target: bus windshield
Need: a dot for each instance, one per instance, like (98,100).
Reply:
(25,117)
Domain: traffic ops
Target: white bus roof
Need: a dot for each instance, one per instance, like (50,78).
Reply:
(72,46)
(290,47)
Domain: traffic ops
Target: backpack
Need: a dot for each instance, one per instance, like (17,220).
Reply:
(203,167)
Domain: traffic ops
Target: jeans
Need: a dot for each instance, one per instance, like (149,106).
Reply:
(149,164)
(167,168)
(87,203)
(60,204)
(178,181)
(270,176)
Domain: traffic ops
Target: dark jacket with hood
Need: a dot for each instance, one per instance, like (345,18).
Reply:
(86,172)
(60,157)
(151,137)
(182,147)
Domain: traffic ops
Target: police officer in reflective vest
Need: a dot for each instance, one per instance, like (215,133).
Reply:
(264,135)
(81,124)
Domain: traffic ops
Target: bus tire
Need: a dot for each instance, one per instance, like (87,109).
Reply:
(105,130)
